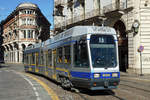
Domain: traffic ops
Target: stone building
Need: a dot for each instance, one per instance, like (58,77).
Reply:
(130,18)
(25,26)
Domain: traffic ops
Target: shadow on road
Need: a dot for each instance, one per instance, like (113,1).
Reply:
(98,92)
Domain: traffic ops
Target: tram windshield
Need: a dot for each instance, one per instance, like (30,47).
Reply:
(103,51)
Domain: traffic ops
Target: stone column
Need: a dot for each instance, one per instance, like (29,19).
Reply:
(11,56)
(34,34)
(20,56)
(5,56)
(14,56)
(8,56)
(5,53)
(17,56)
(20,53)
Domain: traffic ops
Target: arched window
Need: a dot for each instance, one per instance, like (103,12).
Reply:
(30,33)
(23,46)
(24,33)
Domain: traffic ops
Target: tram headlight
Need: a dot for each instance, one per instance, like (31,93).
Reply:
(96,75)
(114,74)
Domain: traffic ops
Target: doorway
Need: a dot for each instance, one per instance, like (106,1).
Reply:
(122,45)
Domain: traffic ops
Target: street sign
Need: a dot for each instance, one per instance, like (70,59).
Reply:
(141,48)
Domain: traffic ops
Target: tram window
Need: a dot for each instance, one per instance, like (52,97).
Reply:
(50,57)
(46,57)
(60,55)
(27,61)
(37,56)
(42,58)
(81,54)
(67,54)
(33,58)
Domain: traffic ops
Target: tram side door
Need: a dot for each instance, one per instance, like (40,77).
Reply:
(54,64)
(36,62)
(46,63)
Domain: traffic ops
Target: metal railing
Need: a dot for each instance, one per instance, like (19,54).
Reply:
(93,13)
(75,19)
(114,6)
(58,2)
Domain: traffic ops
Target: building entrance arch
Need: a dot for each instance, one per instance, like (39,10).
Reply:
(122,45)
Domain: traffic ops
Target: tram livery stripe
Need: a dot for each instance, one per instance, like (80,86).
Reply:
(89,75)
(81,74)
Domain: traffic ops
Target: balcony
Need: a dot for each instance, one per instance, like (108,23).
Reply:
(28,26)
(59,2)
(79,18)
(27,15)
(117,6)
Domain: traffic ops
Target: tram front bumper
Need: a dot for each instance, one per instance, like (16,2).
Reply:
(104,84)
(97,84)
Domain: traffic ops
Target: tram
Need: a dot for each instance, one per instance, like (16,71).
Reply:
(80,57)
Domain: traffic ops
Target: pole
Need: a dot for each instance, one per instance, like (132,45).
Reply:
(141,63)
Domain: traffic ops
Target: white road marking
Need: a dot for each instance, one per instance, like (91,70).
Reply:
(38,98)
(37,94)
(31,83)
(34,88)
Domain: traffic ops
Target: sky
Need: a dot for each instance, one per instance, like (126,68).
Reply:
(46,7)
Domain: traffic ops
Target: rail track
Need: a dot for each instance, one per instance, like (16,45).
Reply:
(135,85)
(117,94)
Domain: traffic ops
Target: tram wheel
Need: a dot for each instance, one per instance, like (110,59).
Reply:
(65,83)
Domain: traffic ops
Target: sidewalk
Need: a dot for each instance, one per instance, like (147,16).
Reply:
(137,76)
(15,66)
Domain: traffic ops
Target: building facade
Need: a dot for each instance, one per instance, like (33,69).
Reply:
(130,18)
(25,26)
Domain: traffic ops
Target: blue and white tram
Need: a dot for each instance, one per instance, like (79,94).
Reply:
(83,56)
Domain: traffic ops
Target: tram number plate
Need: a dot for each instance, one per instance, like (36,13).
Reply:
(106,75)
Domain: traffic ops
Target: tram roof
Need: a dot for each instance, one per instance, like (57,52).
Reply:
(74,32)
(81,30)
